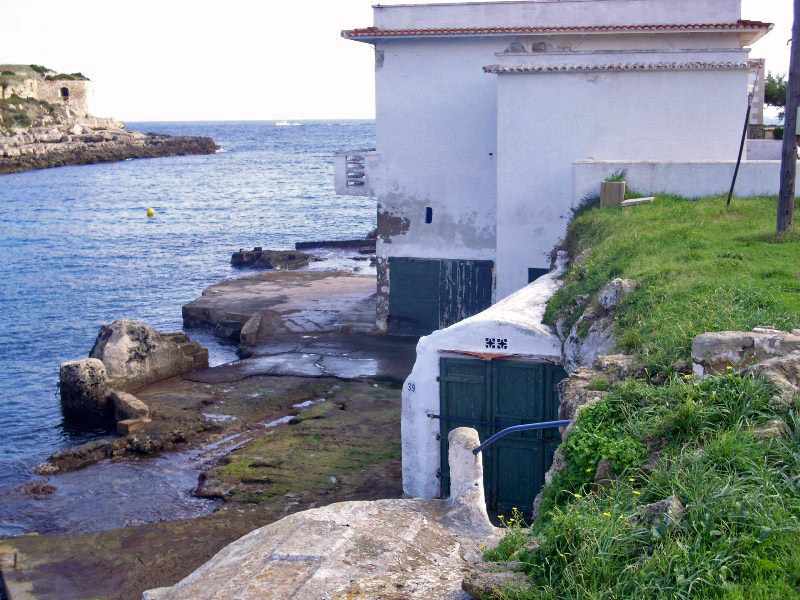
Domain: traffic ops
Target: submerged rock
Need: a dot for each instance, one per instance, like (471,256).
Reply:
(270,259)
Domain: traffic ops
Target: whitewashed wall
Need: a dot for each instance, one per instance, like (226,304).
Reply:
(691,179)
(436,136)
(547,13)
(517,319)
(548,121)
(764,149)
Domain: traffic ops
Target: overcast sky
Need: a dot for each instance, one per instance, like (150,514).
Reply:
(239,59)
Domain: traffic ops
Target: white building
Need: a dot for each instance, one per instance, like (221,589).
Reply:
(494,119)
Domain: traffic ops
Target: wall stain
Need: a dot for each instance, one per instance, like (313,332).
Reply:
(390,225)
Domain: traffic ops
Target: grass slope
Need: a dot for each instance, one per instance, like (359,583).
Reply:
(702,267)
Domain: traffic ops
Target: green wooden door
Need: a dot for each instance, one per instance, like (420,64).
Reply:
(413,296)
(490,396)
(430,294)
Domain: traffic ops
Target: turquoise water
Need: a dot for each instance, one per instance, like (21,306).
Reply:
(77,250)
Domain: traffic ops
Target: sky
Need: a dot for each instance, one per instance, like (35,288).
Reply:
(188,60)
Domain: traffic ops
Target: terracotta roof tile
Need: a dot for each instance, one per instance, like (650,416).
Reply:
(374,32)
(660,66)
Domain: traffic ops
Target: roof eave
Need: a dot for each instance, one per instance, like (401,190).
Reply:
(748,36)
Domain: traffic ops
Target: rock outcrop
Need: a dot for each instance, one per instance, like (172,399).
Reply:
(593,333)
(127,356)
(136,355)
(714,352)
(396,549)
(768,353)
(783,372)
(45,147)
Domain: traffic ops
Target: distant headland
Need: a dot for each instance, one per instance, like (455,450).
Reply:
(45,122)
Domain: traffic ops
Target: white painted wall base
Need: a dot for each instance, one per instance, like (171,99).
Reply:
(691,179)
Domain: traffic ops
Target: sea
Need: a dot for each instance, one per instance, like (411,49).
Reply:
(78,250)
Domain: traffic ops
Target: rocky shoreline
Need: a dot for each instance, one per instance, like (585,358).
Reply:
(45,147)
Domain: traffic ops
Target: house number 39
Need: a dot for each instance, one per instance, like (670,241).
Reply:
(412,387)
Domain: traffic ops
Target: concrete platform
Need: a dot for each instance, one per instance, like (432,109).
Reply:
(341,355)
(267,304)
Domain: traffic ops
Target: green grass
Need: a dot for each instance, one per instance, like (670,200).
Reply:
(740,533)
(701,267)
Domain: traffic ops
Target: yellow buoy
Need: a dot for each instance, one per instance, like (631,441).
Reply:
(150,212)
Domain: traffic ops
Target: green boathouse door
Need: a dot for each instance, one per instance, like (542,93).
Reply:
(430,294)
(490,396)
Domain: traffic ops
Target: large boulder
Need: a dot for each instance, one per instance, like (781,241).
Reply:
(714,352)
(136,355)
(83,385)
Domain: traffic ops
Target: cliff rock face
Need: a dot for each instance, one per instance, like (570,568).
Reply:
(44,122)
(44,147)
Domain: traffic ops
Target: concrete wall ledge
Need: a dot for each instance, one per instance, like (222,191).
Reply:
(691,179)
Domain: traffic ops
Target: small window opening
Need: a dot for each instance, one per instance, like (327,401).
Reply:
(65,93)
(534,274)
(428,214)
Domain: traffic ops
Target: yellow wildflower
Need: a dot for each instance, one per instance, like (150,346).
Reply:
(631,479)
(606,514)
(577,495)
(637,493)
(589,470)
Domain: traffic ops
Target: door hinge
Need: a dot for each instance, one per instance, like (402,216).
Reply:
(438,473)
(438,437)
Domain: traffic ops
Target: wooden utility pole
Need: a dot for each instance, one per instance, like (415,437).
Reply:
(789,156)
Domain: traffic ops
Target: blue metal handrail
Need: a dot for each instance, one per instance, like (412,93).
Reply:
(515,428)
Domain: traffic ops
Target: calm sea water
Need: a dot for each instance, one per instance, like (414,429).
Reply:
(77,250)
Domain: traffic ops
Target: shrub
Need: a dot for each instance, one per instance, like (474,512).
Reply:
(738,534)
(7,72)
(777,133)
(616,177)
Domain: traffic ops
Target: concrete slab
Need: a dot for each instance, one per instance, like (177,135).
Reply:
(286,302)
(342,355)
